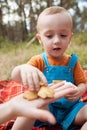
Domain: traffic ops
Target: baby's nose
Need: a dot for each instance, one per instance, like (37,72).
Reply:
(56,39)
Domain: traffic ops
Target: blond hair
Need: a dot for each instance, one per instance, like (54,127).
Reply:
(50,11)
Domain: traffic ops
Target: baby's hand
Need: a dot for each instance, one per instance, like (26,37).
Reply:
(72,96)
(80,90)
(29,76)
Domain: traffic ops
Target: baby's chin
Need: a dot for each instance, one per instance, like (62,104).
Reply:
(57,56)
(54,54)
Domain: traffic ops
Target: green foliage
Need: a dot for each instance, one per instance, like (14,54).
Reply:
(80,38)
(7,46)
(81,51)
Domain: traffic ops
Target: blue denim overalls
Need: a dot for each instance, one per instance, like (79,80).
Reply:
(63,110)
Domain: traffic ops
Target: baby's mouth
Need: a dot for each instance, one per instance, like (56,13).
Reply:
(57,49)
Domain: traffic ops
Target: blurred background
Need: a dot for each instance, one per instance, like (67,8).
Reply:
(18,20)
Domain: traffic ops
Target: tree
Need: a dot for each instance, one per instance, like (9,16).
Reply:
(27,12)
(1,26)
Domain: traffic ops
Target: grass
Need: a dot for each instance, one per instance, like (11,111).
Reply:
(13,54)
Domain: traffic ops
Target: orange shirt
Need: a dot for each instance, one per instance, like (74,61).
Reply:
(38,62)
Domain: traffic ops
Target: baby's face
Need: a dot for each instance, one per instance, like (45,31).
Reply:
(55,32)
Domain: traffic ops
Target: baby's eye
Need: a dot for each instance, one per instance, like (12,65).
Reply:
(63,35)
(49,36)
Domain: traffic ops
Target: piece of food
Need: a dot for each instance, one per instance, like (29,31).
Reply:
(44,92)
(30,95)
(41,84)
(57,81)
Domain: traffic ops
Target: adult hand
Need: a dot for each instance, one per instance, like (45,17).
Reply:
(35,108)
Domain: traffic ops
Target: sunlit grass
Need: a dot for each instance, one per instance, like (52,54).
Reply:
(13,54)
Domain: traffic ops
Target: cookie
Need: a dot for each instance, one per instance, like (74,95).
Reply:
(30,95)
(56,81)
(46,92)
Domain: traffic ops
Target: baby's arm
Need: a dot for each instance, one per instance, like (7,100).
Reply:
(29,76)
(80,81)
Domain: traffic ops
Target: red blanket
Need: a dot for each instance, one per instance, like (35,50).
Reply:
(84,97)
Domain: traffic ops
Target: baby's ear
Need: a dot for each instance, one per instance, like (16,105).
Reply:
(72,34)
(39,38)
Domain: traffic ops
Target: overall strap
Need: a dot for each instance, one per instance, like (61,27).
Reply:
(73,60)
(45,59)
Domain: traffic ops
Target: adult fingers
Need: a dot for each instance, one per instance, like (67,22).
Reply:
(57,85)
(44,115)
